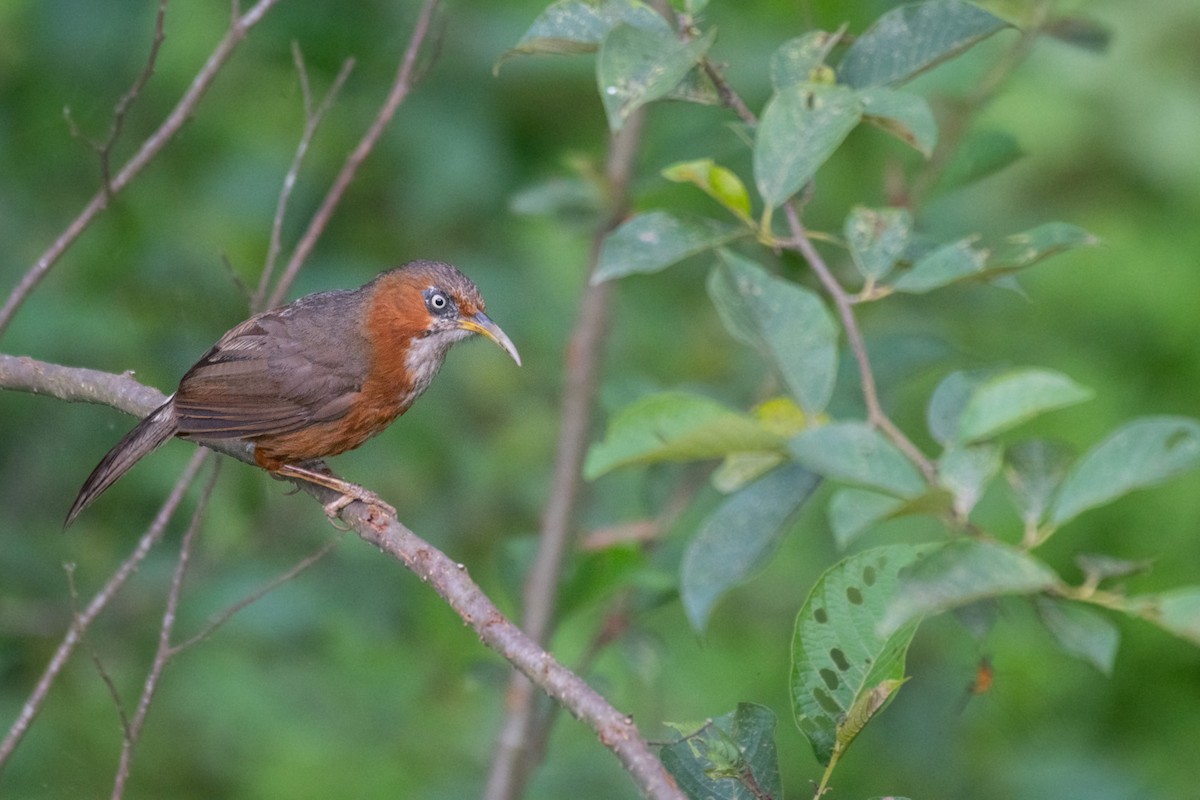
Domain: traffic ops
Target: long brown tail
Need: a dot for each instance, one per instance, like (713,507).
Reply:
(145,438)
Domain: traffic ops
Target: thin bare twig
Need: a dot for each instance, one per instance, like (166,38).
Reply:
(101,599)
(406,77)
(113,691)
(312,120)
(239,27)
(162,654)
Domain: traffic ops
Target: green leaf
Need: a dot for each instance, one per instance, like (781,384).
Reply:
(945,265)
(739,538)
(1034,469)
(839,661)
(854,511)
(653,241)
(800,129)
(1081,32)
(1142,453)
(910,39)
(577,26)
(1081,632)
(949,400)
(1177,611)
(1015,396)
(719,183)
(1026,249)
(796,60)
(725,757)
(877,238)
(982,154)
(964,571)
(676,426)
(637,66)
(788,324)
(904,115)
(856,453)
(600,574)
(966,472)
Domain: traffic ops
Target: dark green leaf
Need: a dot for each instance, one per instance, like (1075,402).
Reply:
(800,129)
(654,241)
(856,453)
(637,66)
(599,575)
(1009,398)
(1142,453)
(947,264)
(739,538)
(904,115)
(577,26)
(877,237)
(910,39)
(961,572)
(1034,470)
(676,426)
(982,154)
(839,661)
(1081,632)
(796,59)
(724,758)
(788,324)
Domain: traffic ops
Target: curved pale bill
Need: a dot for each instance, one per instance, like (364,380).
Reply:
(481,323)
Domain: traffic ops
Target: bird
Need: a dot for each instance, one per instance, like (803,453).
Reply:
(314,378)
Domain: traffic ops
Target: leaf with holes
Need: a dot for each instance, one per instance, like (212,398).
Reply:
(787,323)
(733,757)
(962,572)
(838,658)
(739,538)
(800,129)
(577,26)
(856,453)
(904,115)
(1080,631)
(877,238)
(637,66)
(653,241)
(676,426)
(1142,453)
(910,39)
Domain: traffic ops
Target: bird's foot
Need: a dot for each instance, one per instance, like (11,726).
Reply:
(352,493)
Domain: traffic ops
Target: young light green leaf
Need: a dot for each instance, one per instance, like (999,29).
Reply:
(637,66)
(676,426)
(739,538)
(1026,249)
(1015,396)
(727,756)
(1142,453)
(653,241)
(1080,631)
(865,707)
(719,183)
(877,238)
(961,572)
(838,658)
(966,472)
(1177,611)
(795,60)
(904,115)
(577,26)
(910,39)
(788,324)
(945,265)
(800,129)
(739,469)
(856,453)
(1034,469)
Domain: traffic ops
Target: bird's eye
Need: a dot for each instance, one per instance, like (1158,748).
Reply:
(437,302)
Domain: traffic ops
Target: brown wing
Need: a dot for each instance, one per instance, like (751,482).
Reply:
(278,371)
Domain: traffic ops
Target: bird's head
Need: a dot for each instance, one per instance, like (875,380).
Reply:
(424,307)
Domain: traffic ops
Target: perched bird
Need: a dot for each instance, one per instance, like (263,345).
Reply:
(314,378)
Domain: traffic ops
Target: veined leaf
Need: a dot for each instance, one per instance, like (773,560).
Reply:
(653,241)
(1142,453)
(637,66)
(720,759)
(577,26)
(910,39)
(739,538)
(676,426)
(839,660)
(787,323)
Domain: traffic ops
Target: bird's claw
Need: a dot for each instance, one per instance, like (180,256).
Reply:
(334,508)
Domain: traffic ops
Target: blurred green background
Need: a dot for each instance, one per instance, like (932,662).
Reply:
(354,680)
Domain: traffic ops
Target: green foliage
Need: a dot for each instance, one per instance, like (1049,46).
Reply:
(732,757)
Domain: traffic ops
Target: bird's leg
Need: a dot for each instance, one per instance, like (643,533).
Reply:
(317,473)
